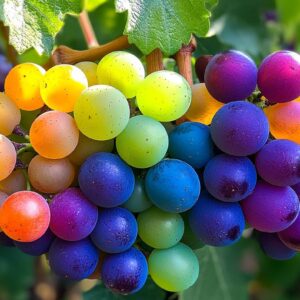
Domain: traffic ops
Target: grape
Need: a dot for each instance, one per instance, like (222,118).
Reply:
(15,182)
(138,201)
(10,115)
(284,120)
(164,96)
(160,229)
(230,178)
(274,247)
(73,216)
(50,175)
(278,76)
(191,142)
(122,70)
(24,216)
(22,85)
(87,147)
(106,180)
(101,112)
(8,157)
(174,269)
(200,66)
(203,106)
(271,208)
(169,194)
(115,231)
(216,223)
(6,241)
(90,71)
(54,134)
(38,247)
(143,143)
(296,188)
(230,76)
(240,128)
(5,67)
(61,87)
(278,162)
(126,272)
(73,260)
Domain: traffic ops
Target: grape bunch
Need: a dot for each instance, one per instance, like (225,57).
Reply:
(107,186)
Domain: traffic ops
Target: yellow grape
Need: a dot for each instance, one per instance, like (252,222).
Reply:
(203,106)
(90,70)
(8,157)
(50,175)
(22,85)
(10,115)
(61,87)
(15,182)
(54,134)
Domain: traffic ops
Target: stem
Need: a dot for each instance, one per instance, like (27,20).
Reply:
(19,131)
(66,55)
(28,186)
(25,147)
(10,50)
(87,29)
(154,61)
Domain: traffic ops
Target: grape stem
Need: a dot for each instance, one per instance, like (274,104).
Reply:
(154,61)
(87,29)
(28,186)
(19,131)
(22,147)
(66,55)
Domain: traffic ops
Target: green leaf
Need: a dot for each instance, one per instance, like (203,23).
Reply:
(165,24)
(35,23)
(220,277)
(149,292)
(91,5)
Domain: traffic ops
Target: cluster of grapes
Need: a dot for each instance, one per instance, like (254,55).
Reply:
(106,202)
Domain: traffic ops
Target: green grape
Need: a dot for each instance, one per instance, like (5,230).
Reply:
(174,269)
(122,70)
(143,143)
(138,201)
(164,96)
(90,71)
(160,229)
(87,147)
(101,112)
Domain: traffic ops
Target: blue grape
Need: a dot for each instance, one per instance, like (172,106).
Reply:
(191,142)
(115,231)
(216,223)
(5,67)
(126,272)
(38,247)
(239,128)
(73,260)
(230,178)
(106,180)
(172,185)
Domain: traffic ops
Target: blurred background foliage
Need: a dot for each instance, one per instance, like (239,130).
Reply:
(242,271)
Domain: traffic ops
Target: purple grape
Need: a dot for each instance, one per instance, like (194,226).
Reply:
(126,272)
(271,208)
(73,216)
(38,247)
(106,180)
(279,76)
(5,67)
(216,223)
(116,230)
(231,76)
(73,260)
(239,128)
(230,178)
(278,162)
(5,240)
(200,66)
(296,188)
(273,247)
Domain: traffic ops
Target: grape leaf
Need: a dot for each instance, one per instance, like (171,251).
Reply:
(91,5)
(165,24)
(35,23)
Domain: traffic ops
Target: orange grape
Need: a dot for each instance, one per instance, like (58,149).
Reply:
(50,175)
(284,120)
(22,85)
(24,216)
(203,106)
(54,134)
(15,182)
(10,115)
(8,157)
